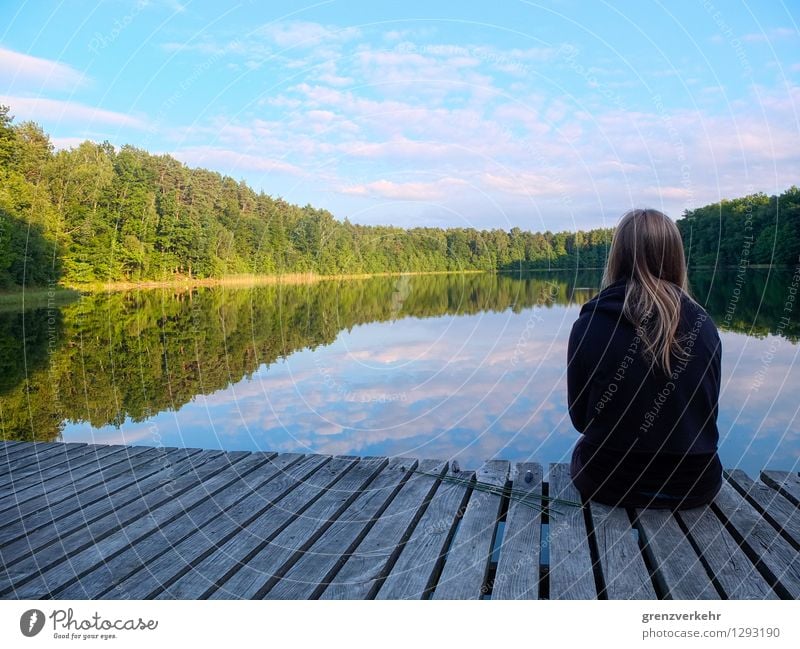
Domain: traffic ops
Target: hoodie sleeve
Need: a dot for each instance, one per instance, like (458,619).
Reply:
(578,375)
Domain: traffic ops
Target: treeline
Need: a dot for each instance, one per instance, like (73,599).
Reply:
(97,214)
(756,229)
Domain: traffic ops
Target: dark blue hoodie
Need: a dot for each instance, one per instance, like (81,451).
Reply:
(649,439)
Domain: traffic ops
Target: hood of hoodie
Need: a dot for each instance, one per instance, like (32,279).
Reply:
(610,300)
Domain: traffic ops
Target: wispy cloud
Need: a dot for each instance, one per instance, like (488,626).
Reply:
(32,73)
(225,159)
(305,33)
(407,191)
(770,35)
(59,111)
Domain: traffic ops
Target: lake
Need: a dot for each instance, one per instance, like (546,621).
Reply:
(467,366)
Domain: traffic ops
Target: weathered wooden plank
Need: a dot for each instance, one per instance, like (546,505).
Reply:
(570,571)
(677,569)
(132,521)
(518,566)
(5,449)
(318,563)
(467,562)
(324,558)
(64,470)
(142,554)
(778,511)
(625,575)
(42,463)
(414,572)
(180,557)
(191,490)
(734,573)
(69,461)
(71,556)
(265,567)
(49,499)
(57,485)
(364,569)
(778,561)
(38,453)
(787,483)
(36,531)
(30,449)
(221,563)
(55,503)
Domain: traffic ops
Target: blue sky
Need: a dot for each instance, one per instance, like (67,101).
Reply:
(539,115)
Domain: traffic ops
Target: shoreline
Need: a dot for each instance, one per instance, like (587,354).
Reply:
(250,280)
(40,294)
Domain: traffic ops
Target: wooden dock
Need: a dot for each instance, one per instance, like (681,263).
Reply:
(82,521)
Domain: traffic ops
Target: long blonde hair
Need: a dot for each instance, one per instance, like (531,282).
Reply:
(647,251)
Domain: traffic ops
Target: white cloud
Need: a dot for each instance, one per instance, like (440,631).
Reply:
(33,73)
(355,115)
(56,110)
(770,35)
(408,191)
(221,160)
(525,184)
(67,142)
(305,34)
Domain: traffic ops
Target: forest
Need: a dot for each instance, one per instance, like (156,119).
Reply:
(752,230)
(95,214)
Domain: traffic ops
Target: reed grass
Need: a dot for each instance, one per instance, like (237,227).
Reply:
(534,501)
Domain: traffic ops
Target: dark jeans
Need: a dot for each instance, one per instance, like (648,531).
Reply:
(640,480)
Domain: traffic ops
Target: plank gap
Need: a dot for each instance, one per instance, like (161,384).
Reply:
(497,542)
(763,511)
(395,555)
(744,546)
(655,577)
(437,571)
(594,554)
(703,561)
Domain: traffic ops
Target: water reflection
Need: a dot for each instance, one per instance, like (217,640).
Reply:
(438,366)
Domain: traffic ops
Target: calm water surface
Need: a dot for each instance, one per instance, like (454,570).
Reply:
(466,366)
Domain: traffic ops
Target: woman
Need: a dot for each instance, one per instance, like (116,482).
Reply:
(643,377)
